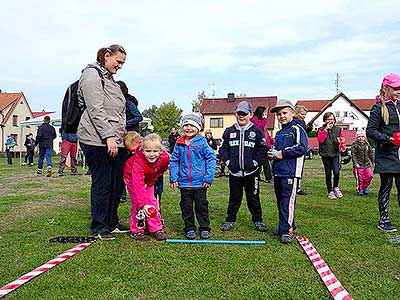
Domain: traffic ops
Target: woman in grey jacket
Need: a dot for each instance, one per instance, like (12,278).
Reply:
(100,133)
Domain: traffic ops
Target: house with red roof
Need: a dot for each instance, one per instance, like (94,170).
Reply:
(351,115)
(219,112)
(14,108)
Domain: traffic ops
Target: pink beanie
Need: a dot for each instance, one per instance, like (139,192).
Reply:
(360,133)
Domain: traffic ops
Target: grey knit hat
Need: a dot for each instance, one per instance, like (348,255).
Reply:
(195,119)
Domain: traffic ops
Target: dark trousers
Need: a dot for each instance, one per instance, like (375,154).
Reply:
(29,156)
(285,191)
(251,185)
(198,196)
(384,195)
(107,185)
(267,169)
(331,165)
(10,155)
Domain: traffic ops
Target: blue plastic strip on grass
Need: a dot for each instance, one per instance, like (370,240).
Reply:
(215,242)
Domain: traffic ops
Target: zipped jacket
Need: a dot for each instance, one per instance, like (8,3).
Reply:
(243,149)
(361,154)
(293,142)
(193,164)
(386,153)
(45,136)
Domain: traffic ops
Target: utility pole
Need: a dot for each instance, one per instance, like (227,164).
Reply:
(337,83)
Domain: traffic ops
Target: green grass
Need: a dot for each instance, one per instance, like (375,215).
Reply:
(33,209)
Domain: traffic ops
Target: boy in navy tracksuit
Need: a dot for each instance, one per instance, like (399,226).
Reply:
(242,151)
(288,155)
(192,168)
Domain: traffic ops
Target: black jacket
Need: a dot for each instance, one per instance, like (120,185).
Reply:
(330,147)
(386,153)
(243,150)
(45,136)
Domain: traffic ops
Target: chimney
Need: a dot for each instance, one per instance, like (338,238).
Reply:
(231,97)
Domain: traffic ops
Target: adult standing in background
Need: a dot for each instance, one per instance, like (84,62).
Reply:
(44,138)
(172,138)
(10,144)
(260,120)
(100,133)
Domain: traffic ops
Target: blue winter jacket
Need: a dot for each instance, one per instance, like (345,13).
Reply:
(192,165)
(293,142)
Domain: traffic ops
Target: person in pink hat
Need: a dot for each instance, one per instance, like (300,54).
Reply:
(382,123)
(363,158)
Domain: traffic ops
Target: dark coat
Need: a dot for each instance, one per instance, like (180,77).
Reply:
(45,136)
(362,154)
(386,153)
(330,147)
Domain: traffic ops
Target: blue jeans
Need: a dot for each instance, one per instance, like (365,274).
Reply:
(45,152)
(107,186)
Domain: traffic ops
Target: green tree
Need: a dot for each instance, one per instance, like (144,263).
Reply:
(196,103)
(168,115)
(150,112)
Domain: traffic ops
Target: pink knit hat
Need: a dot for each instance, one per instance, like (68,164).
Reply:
(360,133)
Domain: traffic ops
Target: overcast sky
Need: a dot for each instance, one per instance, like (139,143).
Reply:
(291,49)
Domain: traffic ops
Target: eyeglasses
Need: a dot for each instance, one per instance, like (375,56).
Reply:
(241,113)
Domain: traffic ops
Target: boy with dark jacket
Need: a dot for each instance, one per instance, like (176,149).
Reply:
(290,147)
(242,150)
(44,138)
(192,168)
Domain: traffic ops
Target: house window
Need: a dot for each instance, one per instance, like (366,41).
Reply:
(15,120)
(216,122)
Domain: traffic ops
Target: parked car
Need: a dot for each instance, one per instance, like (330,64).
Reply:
(310,153)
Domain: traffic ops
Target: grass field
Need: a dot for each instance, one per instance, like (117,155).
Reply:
(33,209)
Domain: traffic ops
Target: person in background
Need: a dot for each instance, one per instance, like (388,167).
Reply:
(210,140)
(44,138)
(172,138)
(100,133)
(328,138)
(10,144)
(260,120)
(301,112)
(363,157)
(30,149)
(69,145)
(192,171)
(382,123)
(242,150)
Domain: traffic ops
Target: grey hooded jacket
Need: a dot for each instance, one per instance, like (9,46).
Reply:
(104,115)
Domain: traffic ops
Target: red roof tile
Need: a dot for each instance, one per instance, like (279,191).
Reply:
(36,114)
(223,106)
(8,98)
(317,105)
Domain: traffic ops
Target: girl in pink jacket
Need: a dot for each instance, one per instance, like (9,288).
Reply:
(140,173)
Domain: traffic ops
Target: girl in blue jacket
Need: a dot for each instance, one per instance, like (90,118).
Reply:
(192,168)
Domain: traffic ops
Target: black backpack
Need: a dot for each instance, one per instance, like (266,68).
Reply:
(73,107)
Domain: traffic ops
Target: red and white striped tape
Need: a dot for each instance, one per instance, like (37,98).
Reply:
(333,285)
(43,268)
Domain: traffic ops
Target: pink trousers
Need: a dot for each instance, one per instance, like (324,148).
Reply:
(363,178)
(153,224)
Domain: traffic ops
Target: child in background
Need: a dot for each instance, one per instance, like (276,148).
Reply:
(328,139)
(382,123)
(140,173)
(290,147)
(362,156)
(242,150)
(192,170)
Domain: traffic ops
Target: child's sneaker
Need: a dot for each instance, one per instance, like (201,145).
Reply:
(160,235)
(331,195)
(104,236)
(360,193)
(366,191)
(286,238)
(387,227)
(191,235)
(39,171)
(260,226)
(205,235)
(337,192)
(227,226)
(140,236)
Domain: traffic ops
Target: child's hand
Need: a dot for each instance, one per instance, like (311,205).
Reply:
(173,185)
(206,185)
(271,153)
(357,166)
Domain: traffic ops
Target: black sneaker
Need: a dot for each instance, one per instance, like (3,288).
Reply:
(227,226)
(104,236)
(60,174)
(387,227)
(301,192)
(260,226)
(191,235)
(286,238)
(120,229)
(39,171)
(205,235)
